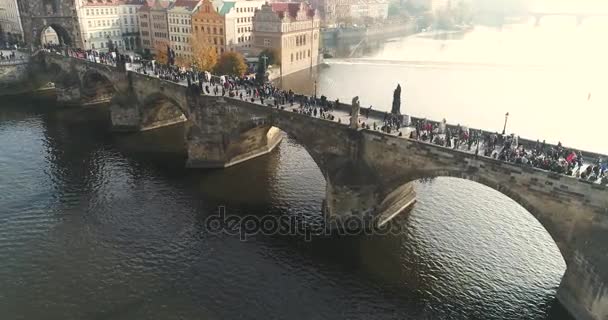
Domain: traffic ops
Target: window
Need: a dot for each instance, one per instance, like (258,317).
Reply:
(292,57)
(266,42)
(309,53)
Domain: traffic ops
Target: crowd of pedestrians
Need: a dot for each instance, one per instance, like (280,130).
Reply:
(10,56)
(498,146)
(509,148)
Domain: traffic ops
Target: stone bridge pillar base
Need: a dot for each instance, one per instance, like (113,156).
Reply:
(583,292)
(165,123)
(216,150)
(355,207)
(68,95)
(124,118)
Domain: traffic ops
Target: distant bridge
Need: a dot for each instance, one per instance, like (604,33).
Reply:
(580,16)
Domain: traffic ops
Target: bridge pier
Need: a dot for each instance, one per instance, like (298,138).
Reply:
(124,119)
(582,291)
(68,94)
(220,150)
(368,173)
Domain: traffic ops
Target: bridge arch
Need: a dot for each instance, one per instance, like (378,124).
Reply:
(160,110)
(512,192)
(63,36)
(96,87)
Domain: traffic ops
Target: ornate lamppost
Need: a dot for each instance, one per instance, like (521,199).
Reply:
(504,129)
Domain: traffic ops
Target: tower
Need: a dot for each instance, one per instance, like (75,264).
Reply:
(61,15)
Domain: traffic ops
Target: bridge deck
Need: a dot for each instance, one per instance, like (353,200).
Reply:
(342,114)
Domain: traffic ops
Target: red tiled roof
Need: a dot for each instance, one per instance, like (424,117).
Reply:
(190,4)
(291,8)
(148,4)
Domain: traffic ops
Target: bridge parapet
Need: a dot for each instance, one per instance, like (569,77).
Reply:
(368,173)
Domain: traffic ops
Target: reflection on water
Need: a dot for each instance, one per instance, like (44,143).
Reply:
(101,226)
(549,78)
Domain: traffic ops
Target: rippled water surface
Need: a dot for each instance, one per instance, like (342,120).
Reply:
(101,226)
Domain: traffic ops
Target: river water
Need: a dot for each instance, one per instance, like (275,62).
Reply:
(550,79)
(101,226)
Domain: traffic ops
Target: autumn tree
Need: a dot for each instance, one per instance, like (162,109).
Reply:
(162,55)
(204,57)
(231,63)
(183,62)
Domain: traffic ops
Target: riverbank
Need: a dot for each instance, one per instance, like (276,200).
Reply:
(383,31)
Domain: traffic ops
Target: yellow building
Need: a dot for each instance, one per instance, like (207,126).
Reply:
(290,28)
(208,25)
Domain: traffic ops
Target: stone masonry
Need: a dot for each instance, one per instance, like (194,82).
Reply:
(368,173)
(37,15)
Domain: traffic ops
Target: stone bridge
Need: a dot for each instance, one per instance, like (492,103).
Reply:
(580,16)
(367,173)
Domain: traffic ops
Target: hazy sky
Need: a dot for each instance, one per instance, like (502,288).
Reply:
(569,5)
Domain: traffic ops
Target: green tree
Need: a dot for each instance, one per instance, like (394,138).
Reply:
(231,63)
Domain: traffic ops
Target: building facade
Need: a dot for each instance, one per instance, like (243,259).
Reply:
(179,18)
(208,24)
(326,9)
(100,24)
(434,5)
(129,23)
(291,29)
(11,30)
(154,26)
(49,36)
(375,9)
(239,25)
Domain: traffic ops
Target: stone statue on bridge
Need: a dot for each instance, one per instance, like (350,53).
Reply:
(397,100)
(354,113)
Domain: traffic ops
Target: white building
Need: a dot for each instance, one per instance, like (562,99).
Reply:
(10,22)
(434,5)
(376,9)
(105,21)
(129,23)
(179,16)
(100,24)
(49,36)
(239,24)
